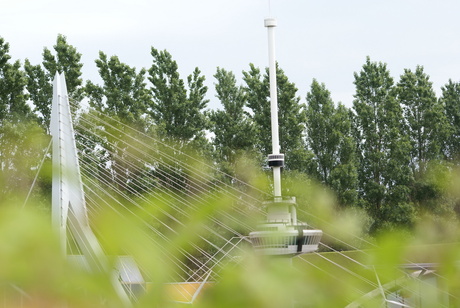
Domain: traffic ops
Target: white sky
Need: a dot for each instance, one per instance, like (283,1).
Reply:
(327,40)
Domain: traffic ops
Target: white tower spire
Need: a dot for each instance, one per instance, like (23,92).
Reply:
(276,159)
(281,234)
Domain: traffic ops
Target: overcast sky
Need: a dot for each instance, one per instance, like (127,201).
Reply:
(326,40)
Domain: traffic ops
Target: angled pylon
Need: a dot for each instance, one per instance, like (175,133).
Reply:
(68,198)
(67,187)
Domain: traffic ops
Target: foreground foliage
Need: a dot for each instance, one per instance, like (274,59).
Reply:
(36,274)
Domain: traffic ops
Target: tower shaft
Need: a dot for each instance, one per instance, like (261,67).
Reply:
(275,160)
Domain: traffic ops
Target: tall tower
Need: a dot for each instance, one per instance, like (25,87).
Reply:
(281,234)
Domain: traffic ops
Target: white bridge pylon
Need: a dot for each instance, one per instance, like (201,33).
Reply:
(68,198)
(67,189)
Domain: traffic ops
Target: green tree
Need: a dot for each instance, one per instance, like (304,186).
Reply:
(124,92)
(344,176)
(21,141)
(322,138)
(384,150)
(233,131)
(66,60)
(426,124)
(427,128)
(179,117)
(121,102)
(329,138)
(291,115)
(177,113)
(13,98)
(257,93)
(450,100)
(39,85)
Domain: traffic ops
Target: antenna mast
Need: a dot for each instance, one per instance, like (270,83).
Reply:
(281,234)
(276,159)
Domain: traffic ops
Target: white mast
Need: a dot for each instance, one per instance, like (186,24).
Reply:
(275,160)
(281,234)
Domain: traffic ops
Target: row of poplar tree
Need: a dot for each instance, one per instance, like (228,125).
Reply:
(388,154)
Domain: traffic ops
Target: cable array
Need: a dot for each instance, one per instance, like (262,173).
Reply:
(153,176)
(178,205)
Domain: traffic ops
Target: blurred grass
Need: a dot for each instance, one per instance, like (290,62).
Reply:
(31,261)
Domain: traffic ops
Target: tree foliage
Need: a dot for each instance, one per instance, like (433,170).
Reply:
(123,93)
(122,100)
(177,113)
(39,85)
(291,116)
(13,98)
(450,99)
(384,149)
(234,133)
(329,138)
(21,141)
(426,125)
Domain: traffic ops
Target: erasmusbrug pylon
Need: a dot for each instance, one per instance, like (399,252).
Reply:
(151,184)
